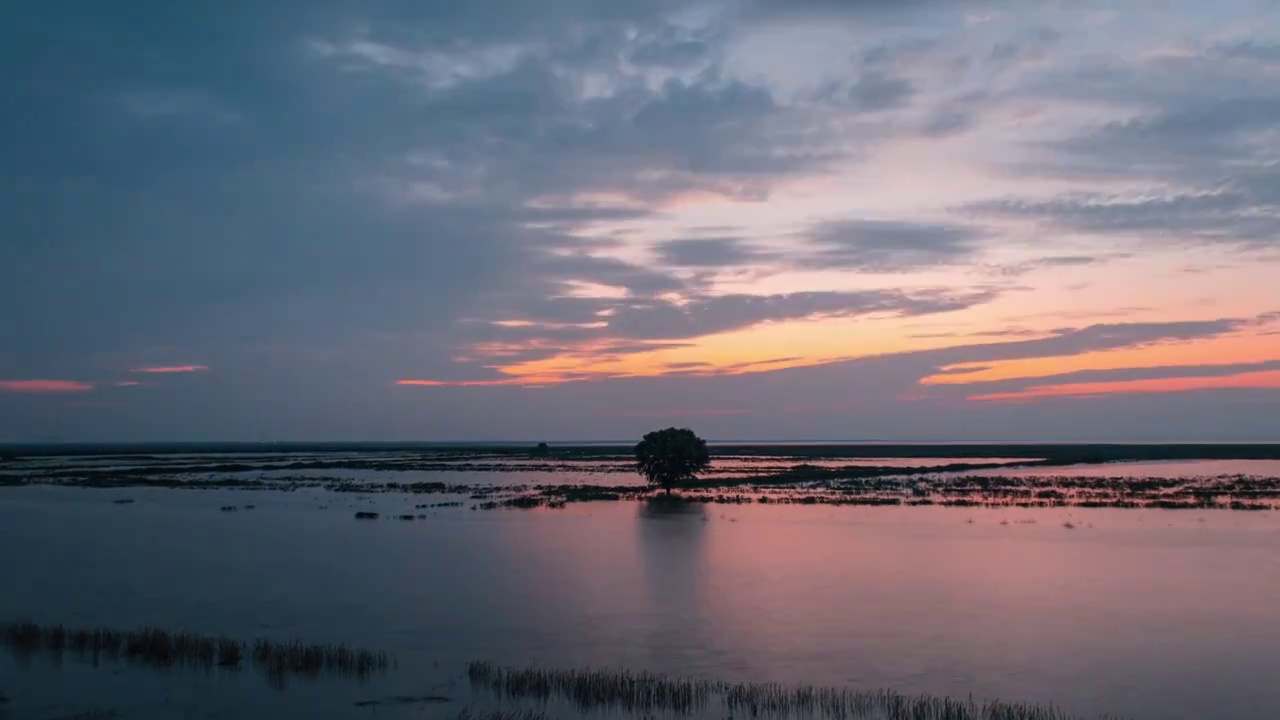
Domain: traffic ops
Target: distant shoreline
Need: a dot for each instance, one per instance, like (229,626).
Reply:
(1050,452)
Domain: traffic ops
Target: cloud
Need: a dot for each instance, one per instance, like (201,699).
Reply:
(634,327)
(709,252)
(168,369)
(1269,380)
(44,386)
(1252,49)
(1093,338)
(1220,216)
(660,319)
(1113,375)
(673,47)
(1194,137)
(324,198)
(890,245)
(875,91)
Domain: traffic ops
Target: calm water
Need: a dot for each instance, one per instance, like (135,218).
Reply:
(1152,614)
(1155,469)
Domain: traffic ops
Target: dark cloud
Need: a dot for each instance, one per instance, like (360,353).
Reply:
(638,281)
(207,178)
(709,315)
(890,246)
(947,122)
(875,91)
(710,252)
(1266,52)
(1093,338)
(1224,215)
(672,47)
(1198,134)
(620,321)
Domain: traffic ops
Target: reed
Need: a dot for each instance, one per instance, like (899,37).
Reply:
(466,714)
(164,649)
(595,690)
(282,659)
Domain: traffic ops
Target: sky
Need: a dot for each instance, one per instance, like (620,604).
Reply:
(570,219)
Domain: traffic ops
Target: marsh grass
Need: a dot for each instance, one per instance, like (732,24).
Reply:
(280,660)
(160,648)
(595,690)
(466,714)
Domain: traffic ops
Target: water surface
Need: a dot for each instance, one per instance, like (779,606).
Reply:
(1147,613)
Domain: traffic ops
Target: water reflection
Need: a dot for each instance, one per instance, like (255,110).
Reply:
(671,540)
(1149,614)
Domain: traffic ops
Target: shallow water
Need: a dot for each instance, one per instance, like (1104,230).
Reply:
(1146,613)
(475,468)
(1149,469)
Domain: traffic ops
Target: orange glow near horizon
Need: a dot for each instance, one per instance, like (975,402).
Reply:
(1269,379)
(1225,350)
(763,348)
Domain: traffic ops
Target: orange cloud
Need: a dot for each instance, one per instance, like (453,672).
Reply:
(44,386)
(1269,379)
(1233,349)
(163,369)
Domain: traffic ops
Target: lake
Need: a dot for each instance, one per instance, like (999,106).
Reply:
(1140,613)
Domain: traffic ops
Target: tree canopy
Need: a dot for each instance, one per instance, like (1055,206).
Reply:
(671,457)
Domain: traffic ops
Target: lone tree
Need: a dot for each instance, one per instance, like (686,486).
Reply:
(671,457)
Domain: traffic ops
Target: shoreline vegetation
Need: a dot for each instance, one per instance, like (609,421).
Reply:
(777,474)
(159,648)
(609,690)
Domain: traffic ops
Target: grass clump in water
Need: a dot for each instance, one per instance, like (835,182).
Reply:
(164,649)
(610,690)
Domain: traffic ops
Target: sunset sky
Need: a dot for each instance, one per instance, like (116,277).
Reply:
(579,219)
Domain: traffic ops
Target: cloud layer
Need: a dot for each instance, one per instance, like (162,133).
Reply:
(718,211)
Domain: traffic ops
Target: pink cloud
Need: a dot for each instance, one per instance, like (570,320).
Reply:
(44,386)
(170,369)
(128,383)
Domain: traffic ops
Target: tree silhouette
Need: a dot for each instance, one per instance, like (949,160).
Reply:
(671,457)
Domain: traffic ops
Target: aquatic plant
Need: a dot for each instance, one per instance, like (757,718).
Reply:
(165,649)
(279,659)
(466,714)
(594,690)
